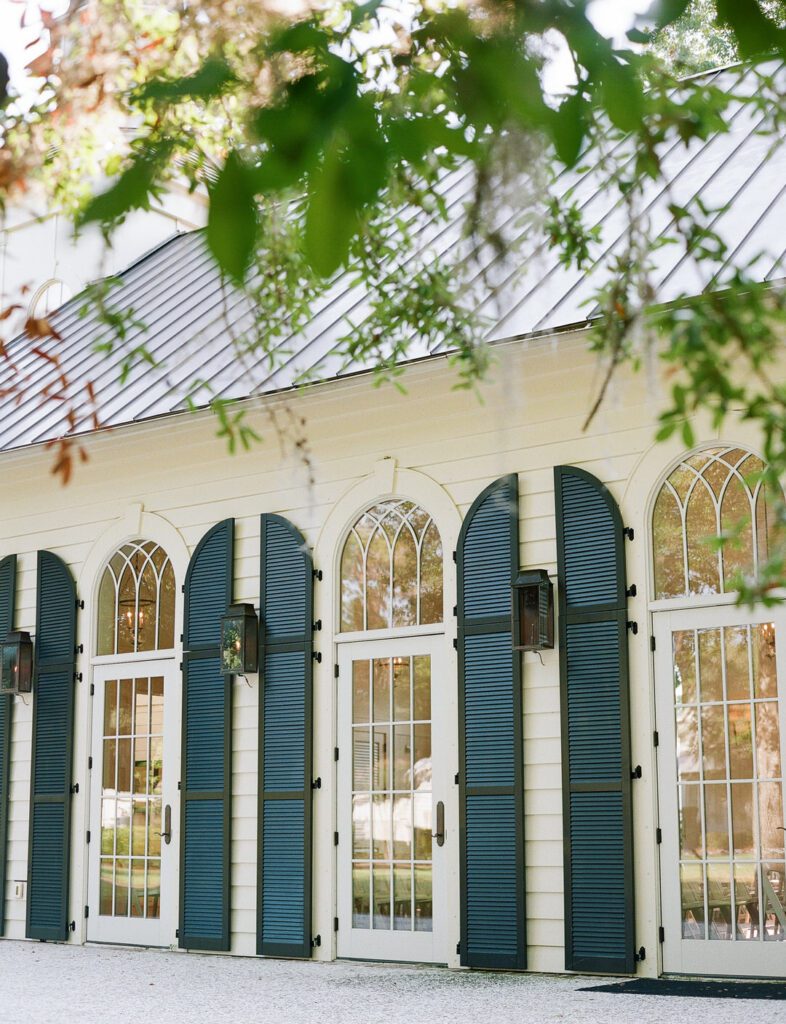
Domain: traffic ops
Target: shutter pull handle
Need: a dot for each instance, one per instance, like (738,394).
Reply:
(166,835)
(439,835)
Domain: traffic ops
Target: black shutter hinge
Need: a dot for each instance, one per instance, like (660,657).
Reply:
(317,574)
(80,605)
(317,656)
(455,643)
(179,786)
(316,941)
(183,589)
(177,933)
(458,948)
(633,627)
(455,556)
(655,739)
(87,911)
(661,934)
(335,753)
(70,926)
(74,787)
(92,689)
(87,838)
(636,773)
(627,531)
(78,677)
(455,609)
(79,649)
(335,924)
(89,763)
(631,591)
(316,626)
(317,783)
(641,955)
(180,667)
(658,836)
(652,643)
(335,838)
(456,779)
(335,671)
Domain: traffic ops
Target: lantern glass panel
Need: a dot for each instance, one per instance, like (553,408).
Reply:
(232,643)
(9,668)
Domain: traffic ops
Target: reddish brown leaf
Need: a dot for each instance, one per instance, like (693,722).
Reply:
(5,313)
(40,327)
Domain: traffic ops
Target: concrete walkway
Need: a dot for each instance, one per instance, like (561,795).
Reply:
(52,984)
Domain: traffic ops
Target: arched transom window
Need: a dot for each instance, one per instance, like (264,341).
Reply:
(391,569)
(136,601)
(716,492)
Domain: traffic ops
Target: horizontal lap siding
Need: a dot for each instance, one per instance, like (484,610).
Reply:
(193,483)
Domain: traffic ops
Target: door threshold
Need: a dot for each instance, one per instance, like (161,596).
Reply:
(389,963)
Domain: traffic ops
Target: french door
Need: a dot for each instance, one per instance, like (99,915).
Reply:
(397,809)
(132,880)
(721,711)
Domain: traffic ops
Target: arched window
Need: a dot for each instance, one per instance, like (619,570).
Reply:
(391,569)
(716,492)
(136,601)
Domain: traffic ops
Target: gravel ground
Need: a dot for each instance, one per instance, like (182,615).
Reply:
(44,984)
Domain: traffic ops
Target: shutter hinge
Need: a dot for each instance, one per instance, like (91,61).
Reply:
(335,924)
(455,609)
(180,667)
(89,763)
(458,948)
(70,926)
(661,934)
(627,531)
(92,690)
(636,773)
(87,839)
(335,671)
(655,739)
(455,643)
(633,627)
(183,589)
(316,626)
(79,649)
(74,787)
(631,591)
(80,605)
(87,911)
(640,955)
(455,556)
(456,779)
(177,933)
(658,836)
(317,656)
(78,677)
(316,941)
(335,753)
(179,786)
(317,574)
(652,643)
(317,783)
(335,838)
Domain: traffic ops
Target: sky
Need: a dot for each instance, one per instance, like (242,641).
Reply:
(611,17)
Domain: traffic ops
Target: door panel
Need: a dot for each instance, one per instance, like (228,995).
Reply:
(132,882)
(720,674)
(392,869)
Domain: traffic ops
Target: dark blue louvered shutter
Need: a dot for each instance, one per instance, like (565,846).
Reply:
(206,783)
(493,932)
(49,844)
(286,643)
(7,607)
(596,767)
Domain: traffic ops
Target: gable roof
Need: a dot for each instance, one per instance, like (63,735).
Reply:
(192,316)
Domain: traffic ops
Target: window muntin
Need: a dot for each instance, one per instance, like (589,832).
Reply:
(136,601)
(717,491)
(391,569)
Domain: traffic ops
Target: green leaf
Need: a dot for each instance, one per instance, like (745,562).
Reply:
(568,129)
(331,217)
(667,11)
(754,31)
(232,218)
(621,95)
(132,190)
(209,81)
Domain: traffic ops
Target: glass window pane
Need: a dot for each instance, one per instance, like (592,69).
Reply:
(124,718)
(361,825)
(771,820)
(157,705)
(431,574)
(401,689)
(382,828)
(137,888)
(124,766)
(692,892)
(122,868)
(352,585)
(106,614)
(735,642)
(166,608)
(140,764)
(106,887)
(423,898)
(378,582)
(361,764)
(746,897)
(422,823)
(108,772)
(774,898)
(405,579)
(402,827)
(380,757)
(422,757)
(402,752)
(684,650)
(702,528)
(155,775)
(360,688)
(382,690)
(716,816)
(768,740)
(126,612)
(422,687)
(710,665)
(361,897)
(123,827)
(402,897)
(147,612)
(742,819)
(736,523)
(713,741)
(153,904)
(667,545)
(691,844)
(719,901)
(765,678)
(688,744)
(740,741)
(154,829)
(108,826)
(141,706)
(138,828)
(110,707)
(382,896)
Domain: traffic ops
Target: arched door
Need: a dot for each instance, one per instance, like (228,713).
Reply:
(132,880)
(721,716)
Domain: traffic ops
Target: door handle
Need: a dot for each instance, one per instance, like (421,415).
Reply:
(439,835)
(166,835)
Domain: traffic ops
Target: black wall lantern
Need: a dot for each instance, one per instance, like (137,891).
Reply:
(533,611)
(239,640)
(16,668)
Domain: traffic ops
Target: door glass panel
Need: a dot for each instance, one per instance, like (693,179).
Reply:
(391,798)
(131,774)
(730,784)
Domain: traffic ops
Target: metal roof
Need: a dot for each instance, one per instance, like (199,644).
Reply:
(192,317)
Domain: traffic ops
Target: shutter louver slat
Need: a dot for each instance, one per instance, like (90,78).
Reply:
(50,784)
(206,811)
(7,611)
(597,817)
(284,828)
(490,735)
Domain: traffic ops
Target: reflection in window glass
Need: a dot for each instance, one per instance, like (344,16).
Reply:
(391,569)
(136,601)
